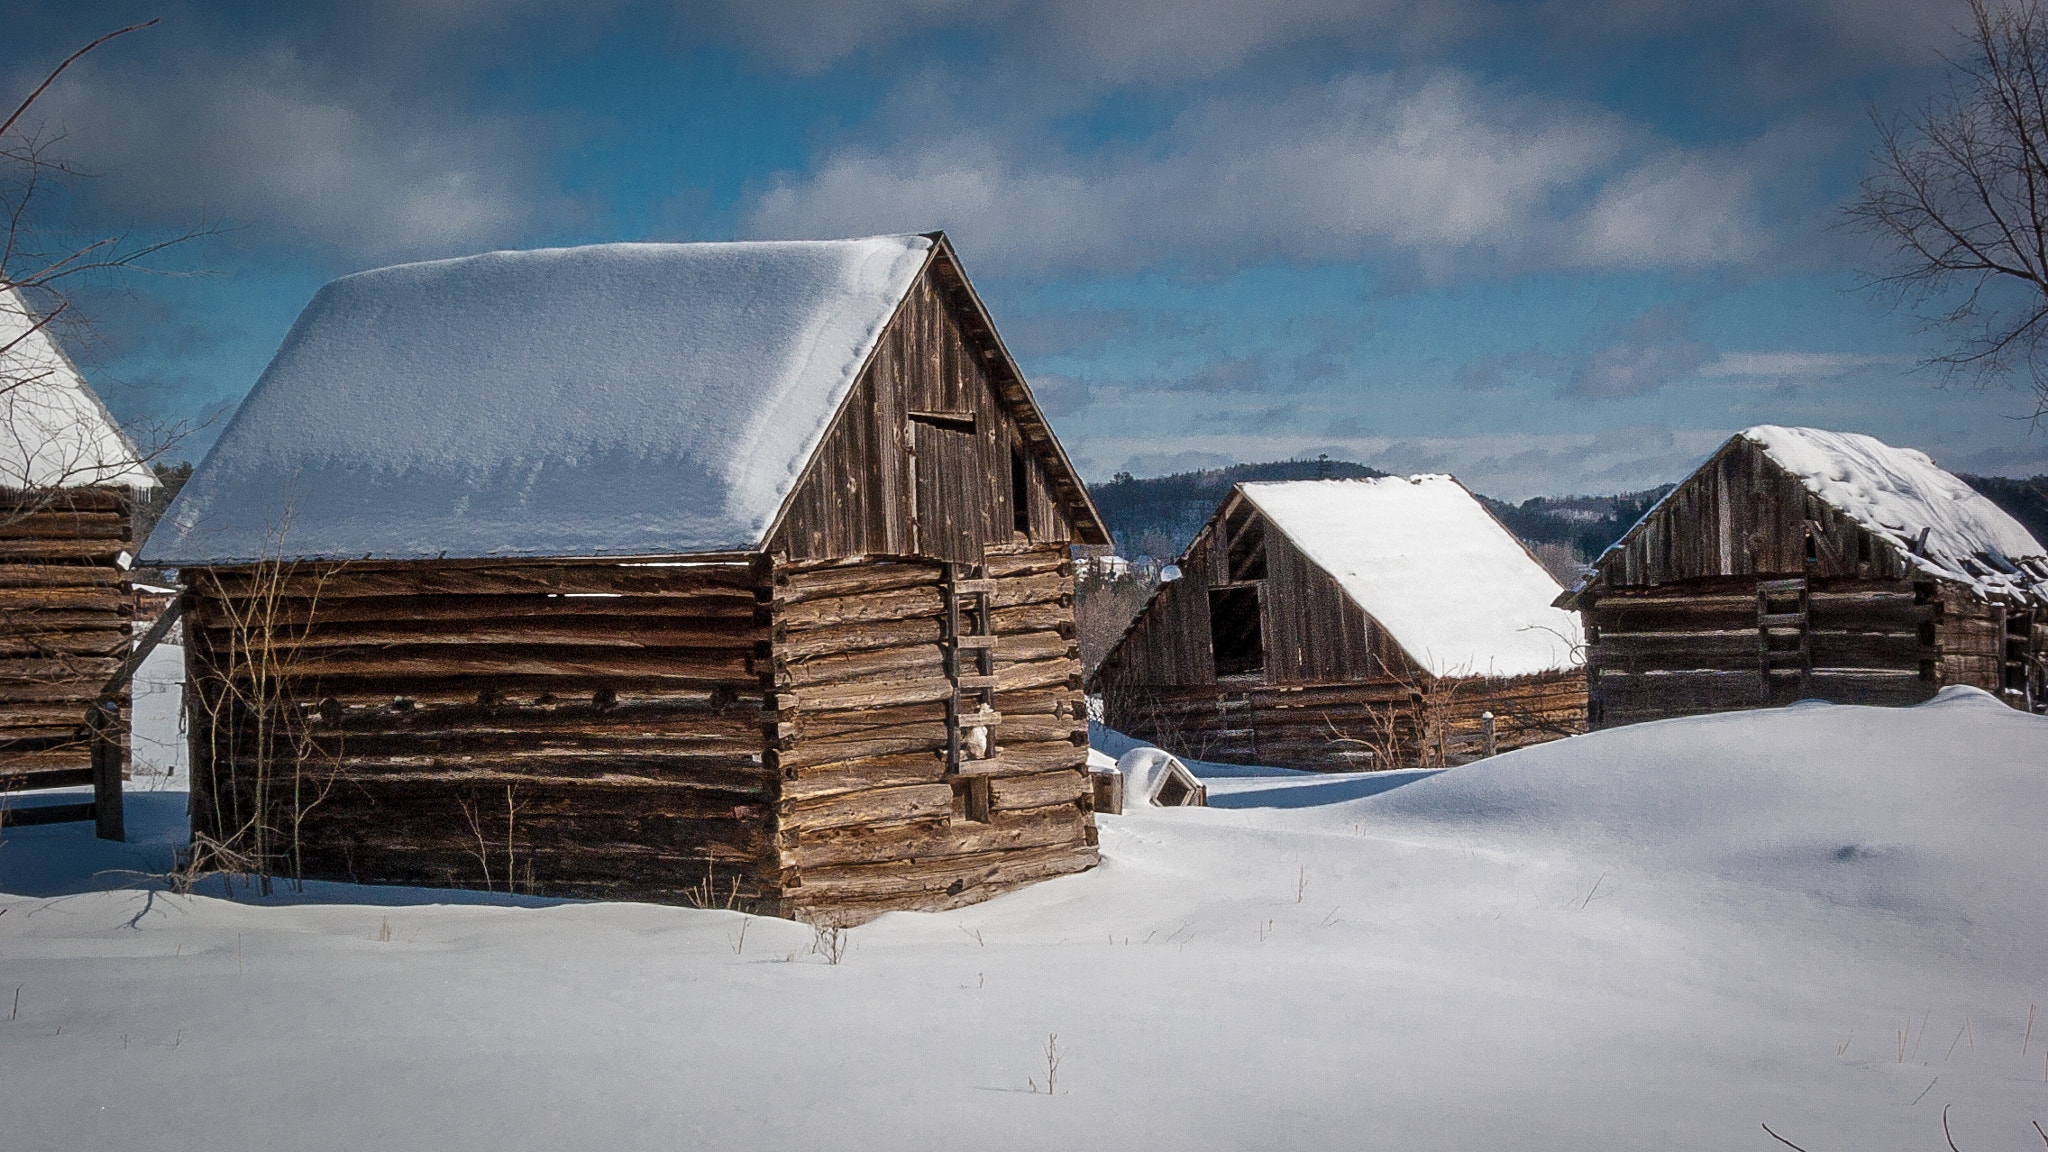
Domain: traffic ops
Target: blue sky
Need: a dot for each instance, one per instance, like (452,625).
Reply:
(1551,247)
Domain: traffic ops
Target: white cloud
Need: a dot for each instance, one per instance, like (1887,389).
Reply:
(1796,364)
(1443,170)
(289,149)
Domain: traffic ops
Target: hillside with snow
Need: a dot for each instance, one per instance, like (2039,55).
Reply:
(1827,919)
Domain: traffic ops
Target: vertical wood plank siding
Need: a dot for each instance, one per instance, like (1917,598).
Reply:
(1671,612)
(1336,693)
(861,494)
(65,611)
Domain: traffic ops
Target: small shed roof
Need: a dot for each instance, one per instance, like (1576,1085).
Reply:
(1456,590)
(617,399)
(1900,494)
(54,432)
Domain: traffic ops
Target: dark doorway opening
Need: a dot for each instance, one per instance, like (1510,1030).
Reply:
(1235,637)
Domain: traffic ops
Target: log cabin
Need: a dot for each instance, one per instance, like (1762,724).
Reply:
(1800,563)
(729,574)
(1349,624)
(69,479)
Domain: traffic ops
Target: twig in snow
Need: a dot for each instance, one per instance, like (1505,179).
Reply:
(16,1010)
(2030,1029)
(1944,1127)
(1590,891)
(1923,1096)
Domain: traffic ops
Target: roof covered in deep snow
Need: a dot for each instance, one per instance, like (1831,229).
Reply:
(617,399)
(1422,557)
(1900,493)
(54,432)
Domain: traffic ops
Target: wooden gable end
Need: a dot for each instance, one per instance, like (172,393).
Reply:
(935,445)
(1741,514)
(1311,631)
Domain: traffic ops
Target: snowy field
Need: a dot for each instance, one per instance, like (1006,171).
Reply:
(1830,919)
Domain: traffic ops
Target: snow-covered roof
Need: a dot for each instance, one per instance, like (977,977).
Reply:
(1898,494)
(54,432)
(1423,558)
(616,399)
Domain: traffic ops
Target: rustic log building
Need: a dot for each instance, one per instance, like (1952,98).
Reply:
(1348,624)
(1801,563)
(68,482)
(730,574)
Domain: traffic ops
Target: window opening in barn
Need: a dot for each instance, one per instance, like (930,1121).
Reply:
(1812,542)
(1235,638)
(1246,533)
(1020,493)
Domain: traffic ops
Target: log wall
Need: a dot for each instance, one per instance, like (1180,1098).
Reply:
(583,729)
(65,619)
(870,819)
(1695,647)
(1376,723)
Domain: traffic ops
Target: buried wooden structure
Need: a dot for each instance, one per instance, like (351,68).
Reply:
(1348,624)
(68,484)
(872,703)
(1801,563)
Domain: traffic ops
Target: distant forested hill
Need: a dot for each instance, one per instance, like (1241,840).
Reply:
(2026,500)
(1157,517)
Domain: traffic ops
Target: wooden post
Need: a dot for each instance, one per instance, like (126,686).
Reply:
(108,821)
(1486,730)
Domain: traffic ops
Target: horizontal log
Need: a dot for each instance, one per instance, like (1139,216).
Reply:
(54,644)
(64,599)
(1027,759)
(880,606)
(60,576)
(838,778)
(56,670)
(854,723)
(1675,651)
(858,581)
(1037,562)
(1023,590)
(896,664)
(864,696)
(974,870)
(791,647)
(873,806)
(1004,832)
(823,755)
(626,611)
(348,581)
(1868,650)
(1013,793)
(730,635)
(27,770)
(515,660)
(98,552)
(697,715)
(371,690)
(1019,677)
(1027,647)
(34,621)
(53,525)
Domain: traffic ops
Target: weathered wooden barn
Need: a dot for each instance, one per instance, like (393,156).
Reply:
(68,483)
(711,573)
(1349,624)
(1801,563)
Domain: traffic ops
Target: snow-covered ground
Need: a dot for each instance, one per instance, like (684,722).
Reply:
(1829,919)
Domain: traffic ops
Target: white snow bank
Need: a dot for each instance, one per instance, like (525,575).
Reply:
(1455,589)
(54,432)
(1899,494)
(608,400)
(1822,918)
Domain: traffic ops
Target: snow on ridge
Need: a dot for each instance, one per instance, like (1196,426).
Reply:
(1899,493)
(613,399)
(54,431)
(1455,589)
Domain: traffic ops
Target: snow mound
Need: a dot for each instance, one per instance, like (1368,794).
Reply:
(1455,589)
(1900,494)
(609,400)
